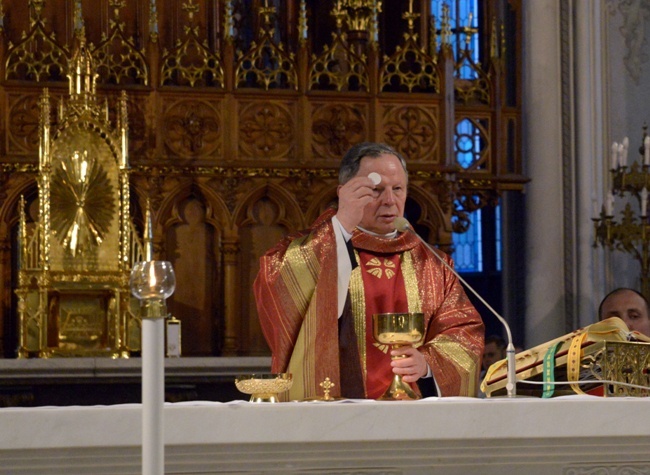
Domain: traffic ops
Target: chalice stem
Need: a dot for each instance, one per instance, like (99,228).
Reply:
(398,389)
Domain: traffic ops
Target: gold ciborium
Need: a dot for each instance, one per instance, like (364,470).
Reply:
(264,387)
(397,330)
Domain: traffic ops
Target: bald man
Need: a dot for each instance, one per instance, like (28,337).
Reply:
(628,305)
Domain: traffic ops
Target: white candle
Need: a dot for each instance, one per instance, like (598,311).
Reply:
(626,147)
(614,159)
(644,202)
(622,155)
(609,204)
(646,150)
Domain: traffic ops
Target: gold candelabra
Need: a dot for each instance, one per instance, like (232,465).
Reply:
(630,183)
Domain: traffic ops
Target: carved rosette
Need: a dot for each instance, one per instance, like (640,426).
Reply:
(336,127)
(412,131)
(192,128)
(267,130)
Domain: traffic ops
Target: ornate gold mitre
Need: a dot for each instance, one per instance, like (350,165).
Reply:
(75,261)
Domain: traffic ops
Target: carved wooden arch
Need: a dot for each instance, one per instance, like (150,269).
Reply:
(9,218)
(432,215)
(200,299)
(290,215)
(321,202)
(9,211)
(216,211)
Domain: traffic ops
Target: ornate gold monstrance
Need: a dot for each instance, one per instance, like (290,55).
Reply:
(75,262)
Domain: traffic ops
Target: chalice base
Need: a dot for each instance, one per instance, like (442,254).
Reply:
(399,391)
(264,397)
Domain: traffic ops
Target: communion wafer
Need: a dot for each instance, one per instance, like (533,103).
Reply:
(375,178)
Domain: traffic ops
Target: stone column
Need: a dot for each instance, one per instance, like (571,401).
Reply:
(542,149)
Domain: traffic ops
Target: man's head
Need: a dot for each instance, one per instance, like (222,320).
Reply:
(389,196)
(630,306)
(495,350)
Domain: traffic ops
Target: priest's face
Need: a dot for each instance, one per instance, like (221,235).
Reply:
(389,196)
(630,307)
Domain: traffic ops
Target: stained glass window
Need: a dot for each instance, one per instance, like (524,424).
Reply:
(469,246)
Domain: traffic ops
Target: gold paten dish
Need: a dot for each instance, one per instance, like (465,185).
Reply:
(264,387)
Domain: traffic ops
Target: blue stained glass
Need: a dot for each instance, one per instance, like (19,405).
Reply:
(468,246)
(468,255)
(459,18)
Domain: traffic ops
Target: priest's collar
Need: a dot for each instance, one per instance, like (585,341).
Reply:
(383,243)
(389,235)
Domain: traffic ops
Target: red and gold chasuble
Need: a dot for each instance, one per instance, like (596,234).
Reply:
(384,292)
(297,302)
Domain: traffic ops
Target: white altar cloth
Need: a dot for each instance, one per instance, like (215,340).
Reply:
(575,435)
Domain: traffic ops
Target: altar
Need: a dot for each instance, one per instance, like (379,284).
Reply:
(566,435)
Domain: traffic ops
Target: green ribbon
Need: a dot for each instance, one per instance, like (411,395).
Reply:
(549,371)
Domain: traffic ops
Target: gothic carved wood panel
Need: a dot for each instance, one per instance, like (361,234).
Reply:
(238,115)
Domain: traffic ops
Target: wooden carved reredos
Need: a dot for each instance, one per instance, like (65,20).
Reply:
(239,112)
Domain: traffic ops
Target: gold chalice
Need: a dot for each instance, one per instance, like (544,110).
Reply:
(264,387)
(397,330)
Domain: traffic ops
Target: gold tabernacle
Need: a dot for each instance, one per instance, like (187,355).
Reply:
(78,248)
(586,358)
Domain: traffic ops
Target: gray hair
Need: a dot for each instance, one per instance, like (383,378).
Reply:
(351,161)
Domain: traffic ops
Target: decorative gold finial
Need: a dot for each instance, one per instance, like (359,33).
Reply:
(410,16)
(267,12)
(81,74)
(191,9)
(148,233)
(302,22)
(469,30)
(153,21)
(22,230)
(117,5)
(37,8)
(228,23)
(338,14)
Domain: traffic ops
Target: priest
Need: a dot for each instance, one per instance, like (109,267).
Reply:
(317,290)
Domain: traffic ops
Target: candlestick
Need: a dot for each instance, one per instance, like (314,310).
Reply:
(152,282)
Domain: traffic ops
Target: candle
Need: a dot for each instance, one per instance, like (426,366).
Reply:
(646,150)
(609,204)
(614,159)
(644,202)
(622,155)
